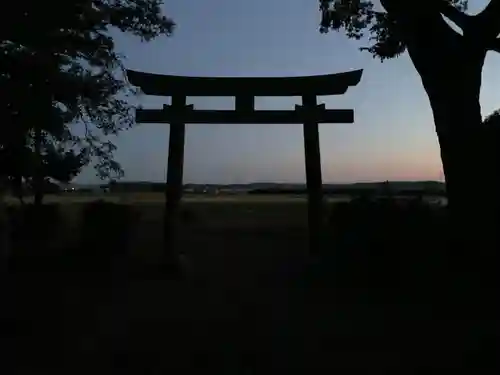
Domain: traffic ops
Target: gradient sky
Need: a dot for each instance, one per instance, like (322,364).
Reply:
(393,137)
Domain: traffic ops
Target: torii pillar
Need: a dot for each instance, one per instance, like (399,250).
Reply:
(315,219)
(175,172)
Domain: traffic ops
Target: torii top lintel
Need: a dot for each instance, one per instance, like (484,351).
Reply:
(170,85)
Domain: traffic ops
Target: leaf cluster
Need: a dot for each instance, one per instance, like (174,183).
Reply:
(60,75)
(361,18)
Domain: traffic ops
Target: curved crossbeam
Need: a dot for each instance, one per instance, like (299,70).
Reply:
(168,85)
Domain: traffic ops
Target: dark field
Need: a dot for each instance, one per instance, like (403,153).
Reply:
(251,299)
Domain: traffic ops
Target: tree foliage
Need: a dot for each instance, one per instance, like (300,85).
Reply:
(361,18)
(449,61)
(440,53)
(60,76)
(19,165)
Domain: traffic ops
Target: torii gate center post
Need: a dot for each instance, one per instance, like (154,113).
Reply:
(244,90)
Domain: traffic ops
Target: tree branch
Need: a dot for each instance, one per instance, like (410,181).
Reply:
(494,45)
(428,8)
(461,19)
(489,19)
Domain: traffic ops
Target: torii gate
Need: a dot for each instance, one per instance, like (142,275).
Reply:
(244,89)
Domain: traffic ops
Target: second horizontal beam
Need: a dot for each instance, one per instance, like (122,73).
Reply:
(332,116)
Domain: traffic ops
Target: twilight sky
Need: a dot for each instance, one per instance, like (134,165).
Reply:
(393,136)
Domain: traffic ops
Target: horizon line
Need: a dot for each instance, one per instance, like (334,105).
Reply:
(260,182)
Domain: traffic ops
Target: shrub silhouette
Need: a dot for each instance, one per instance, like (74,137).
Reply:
(380,241)
(383,221)
(34,227)
(106,230)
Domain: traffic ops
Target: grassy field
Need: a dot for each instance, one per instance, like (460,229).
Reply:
(215,231)
(253,301)
(139,198)
(240,234)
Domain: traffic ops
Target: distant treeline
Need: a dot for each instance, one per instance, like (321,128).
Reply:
(24,189)
(353,191)
(136,187)
(433,189)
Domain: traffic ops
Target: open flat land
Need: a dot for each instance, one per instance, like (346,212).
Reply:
(138,198)
(252,300)
(229,211)
(142,198)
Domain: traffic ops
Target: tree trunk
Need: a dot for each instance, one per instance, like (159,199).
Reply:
(38,178)
(452,80)
(470,168)
(470,281)
(17,182)
(450,66)
(4,222)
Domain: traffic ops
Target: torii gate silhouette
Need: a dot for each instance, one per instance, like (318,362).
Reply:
(244,89)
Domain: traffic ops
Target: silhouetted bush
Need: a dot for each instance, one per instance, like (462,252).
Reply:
(379,240)
(33,228)
(106,231)
(386,219)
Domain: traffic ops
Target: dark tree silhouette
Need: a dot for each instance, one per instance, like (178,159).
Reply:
(18,165)
(62,82)
(450,65)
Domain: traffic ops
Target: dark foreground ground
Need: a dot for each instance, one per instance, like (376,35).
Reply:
(251,301)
